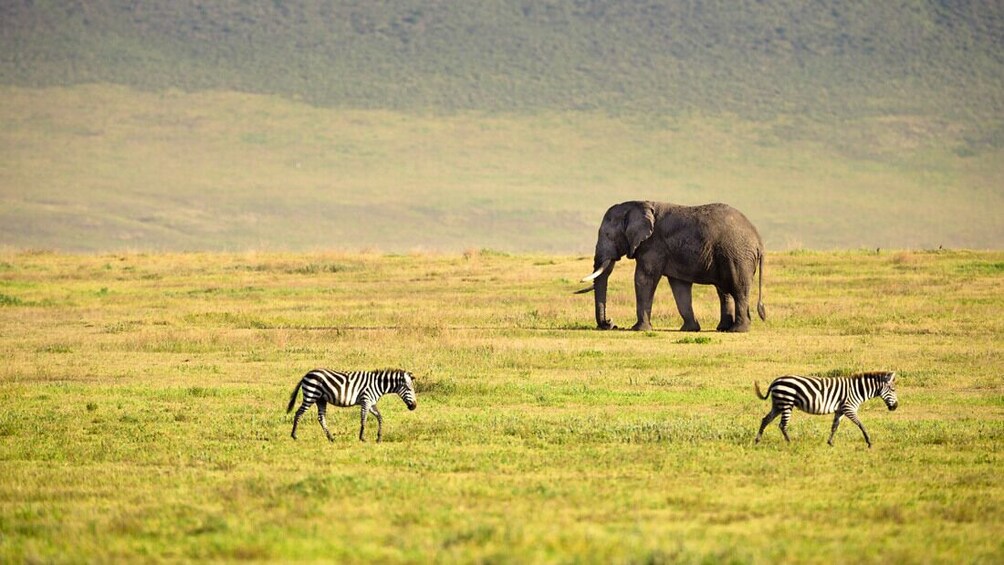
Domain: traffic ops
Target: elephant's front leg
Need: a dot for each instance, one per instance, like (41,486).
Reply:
(644,292)
(682,294)
(728,318)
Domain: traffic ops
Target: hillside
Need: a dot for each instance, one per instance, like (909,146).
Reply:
(448,125)
(746,58)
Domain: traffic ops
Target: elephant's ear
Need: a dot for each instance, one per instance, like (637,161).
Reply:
(639,225)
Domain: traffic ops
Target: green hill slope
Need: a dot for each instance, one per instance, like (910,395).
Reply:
(749,58)
(448,125)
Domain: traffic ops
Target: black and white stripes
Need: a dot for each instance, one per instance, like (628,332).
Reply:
(841,396)
(357,388)
(824,395)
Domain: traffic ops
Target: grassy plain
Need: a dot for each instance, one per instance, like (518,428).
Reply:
(100,167)
(143,417)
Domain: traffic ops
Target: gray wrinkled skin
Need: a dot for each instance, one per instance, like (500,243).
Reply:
(709,244)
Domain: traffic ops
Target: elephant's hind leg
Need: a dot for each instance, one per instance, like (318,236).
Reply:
(741,285)
(741,309)
(728,311)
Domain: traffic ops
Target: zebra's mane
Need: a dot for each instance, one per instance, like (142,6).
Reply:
(881,375)
(886,375)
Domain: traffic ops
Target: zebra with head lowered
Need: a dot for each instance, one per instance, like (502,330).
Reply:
(826,395)
(357,388)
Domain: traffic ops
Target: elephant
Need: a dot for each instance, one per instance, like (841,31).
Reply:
(707,244)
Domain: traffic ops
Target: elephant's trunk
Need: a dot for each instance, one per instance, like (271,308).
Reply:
(600,297)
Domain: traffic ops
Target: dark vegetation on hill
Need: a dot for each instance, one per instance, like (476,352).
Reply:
(505,124)
(751,58)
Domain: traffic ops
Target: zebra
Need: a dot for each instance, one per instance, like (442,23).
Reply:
(357,388)
(826,395)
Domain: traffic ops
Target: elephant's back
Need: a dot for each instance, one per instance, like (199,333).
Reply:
(711,222)
(719,211)
(711,240)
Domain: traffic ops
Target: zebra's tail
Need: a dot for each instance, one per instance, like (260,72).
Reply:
(760,309)
(292,397)
(756,387)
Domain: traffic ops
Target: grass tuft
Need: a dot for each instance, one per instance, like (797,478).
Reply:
(692,339)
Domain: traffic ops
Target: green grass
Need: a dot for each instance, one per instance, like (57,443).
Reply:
(143,412)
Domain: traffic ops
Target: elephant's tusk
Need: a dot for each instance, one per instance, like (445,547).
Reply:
(598,272)
(585,290)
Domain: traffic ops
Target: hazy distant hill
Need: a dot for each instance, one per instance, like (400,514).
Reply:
(509,124)
(752,58)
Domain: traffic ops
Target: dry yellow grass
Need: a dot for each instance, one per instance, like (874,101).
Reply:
(144,412)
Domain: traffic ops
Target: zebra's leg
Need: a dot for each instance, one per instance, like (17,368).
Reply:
(322,408)
(379,418)
(833,430)
(785,417)
(296,418)
(362,421)
(854,418)
(765,422)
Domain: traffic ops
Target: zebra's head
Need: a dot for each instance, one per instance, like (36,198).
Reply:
(888,390)
(406,390)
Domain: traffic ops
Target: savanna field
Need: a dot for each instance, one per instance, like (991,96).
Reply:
(143,412)
(147,359)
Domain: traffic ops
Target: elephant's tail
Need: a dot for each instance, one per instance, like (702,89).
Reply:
(756,387)
(760,309)
(292,397)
